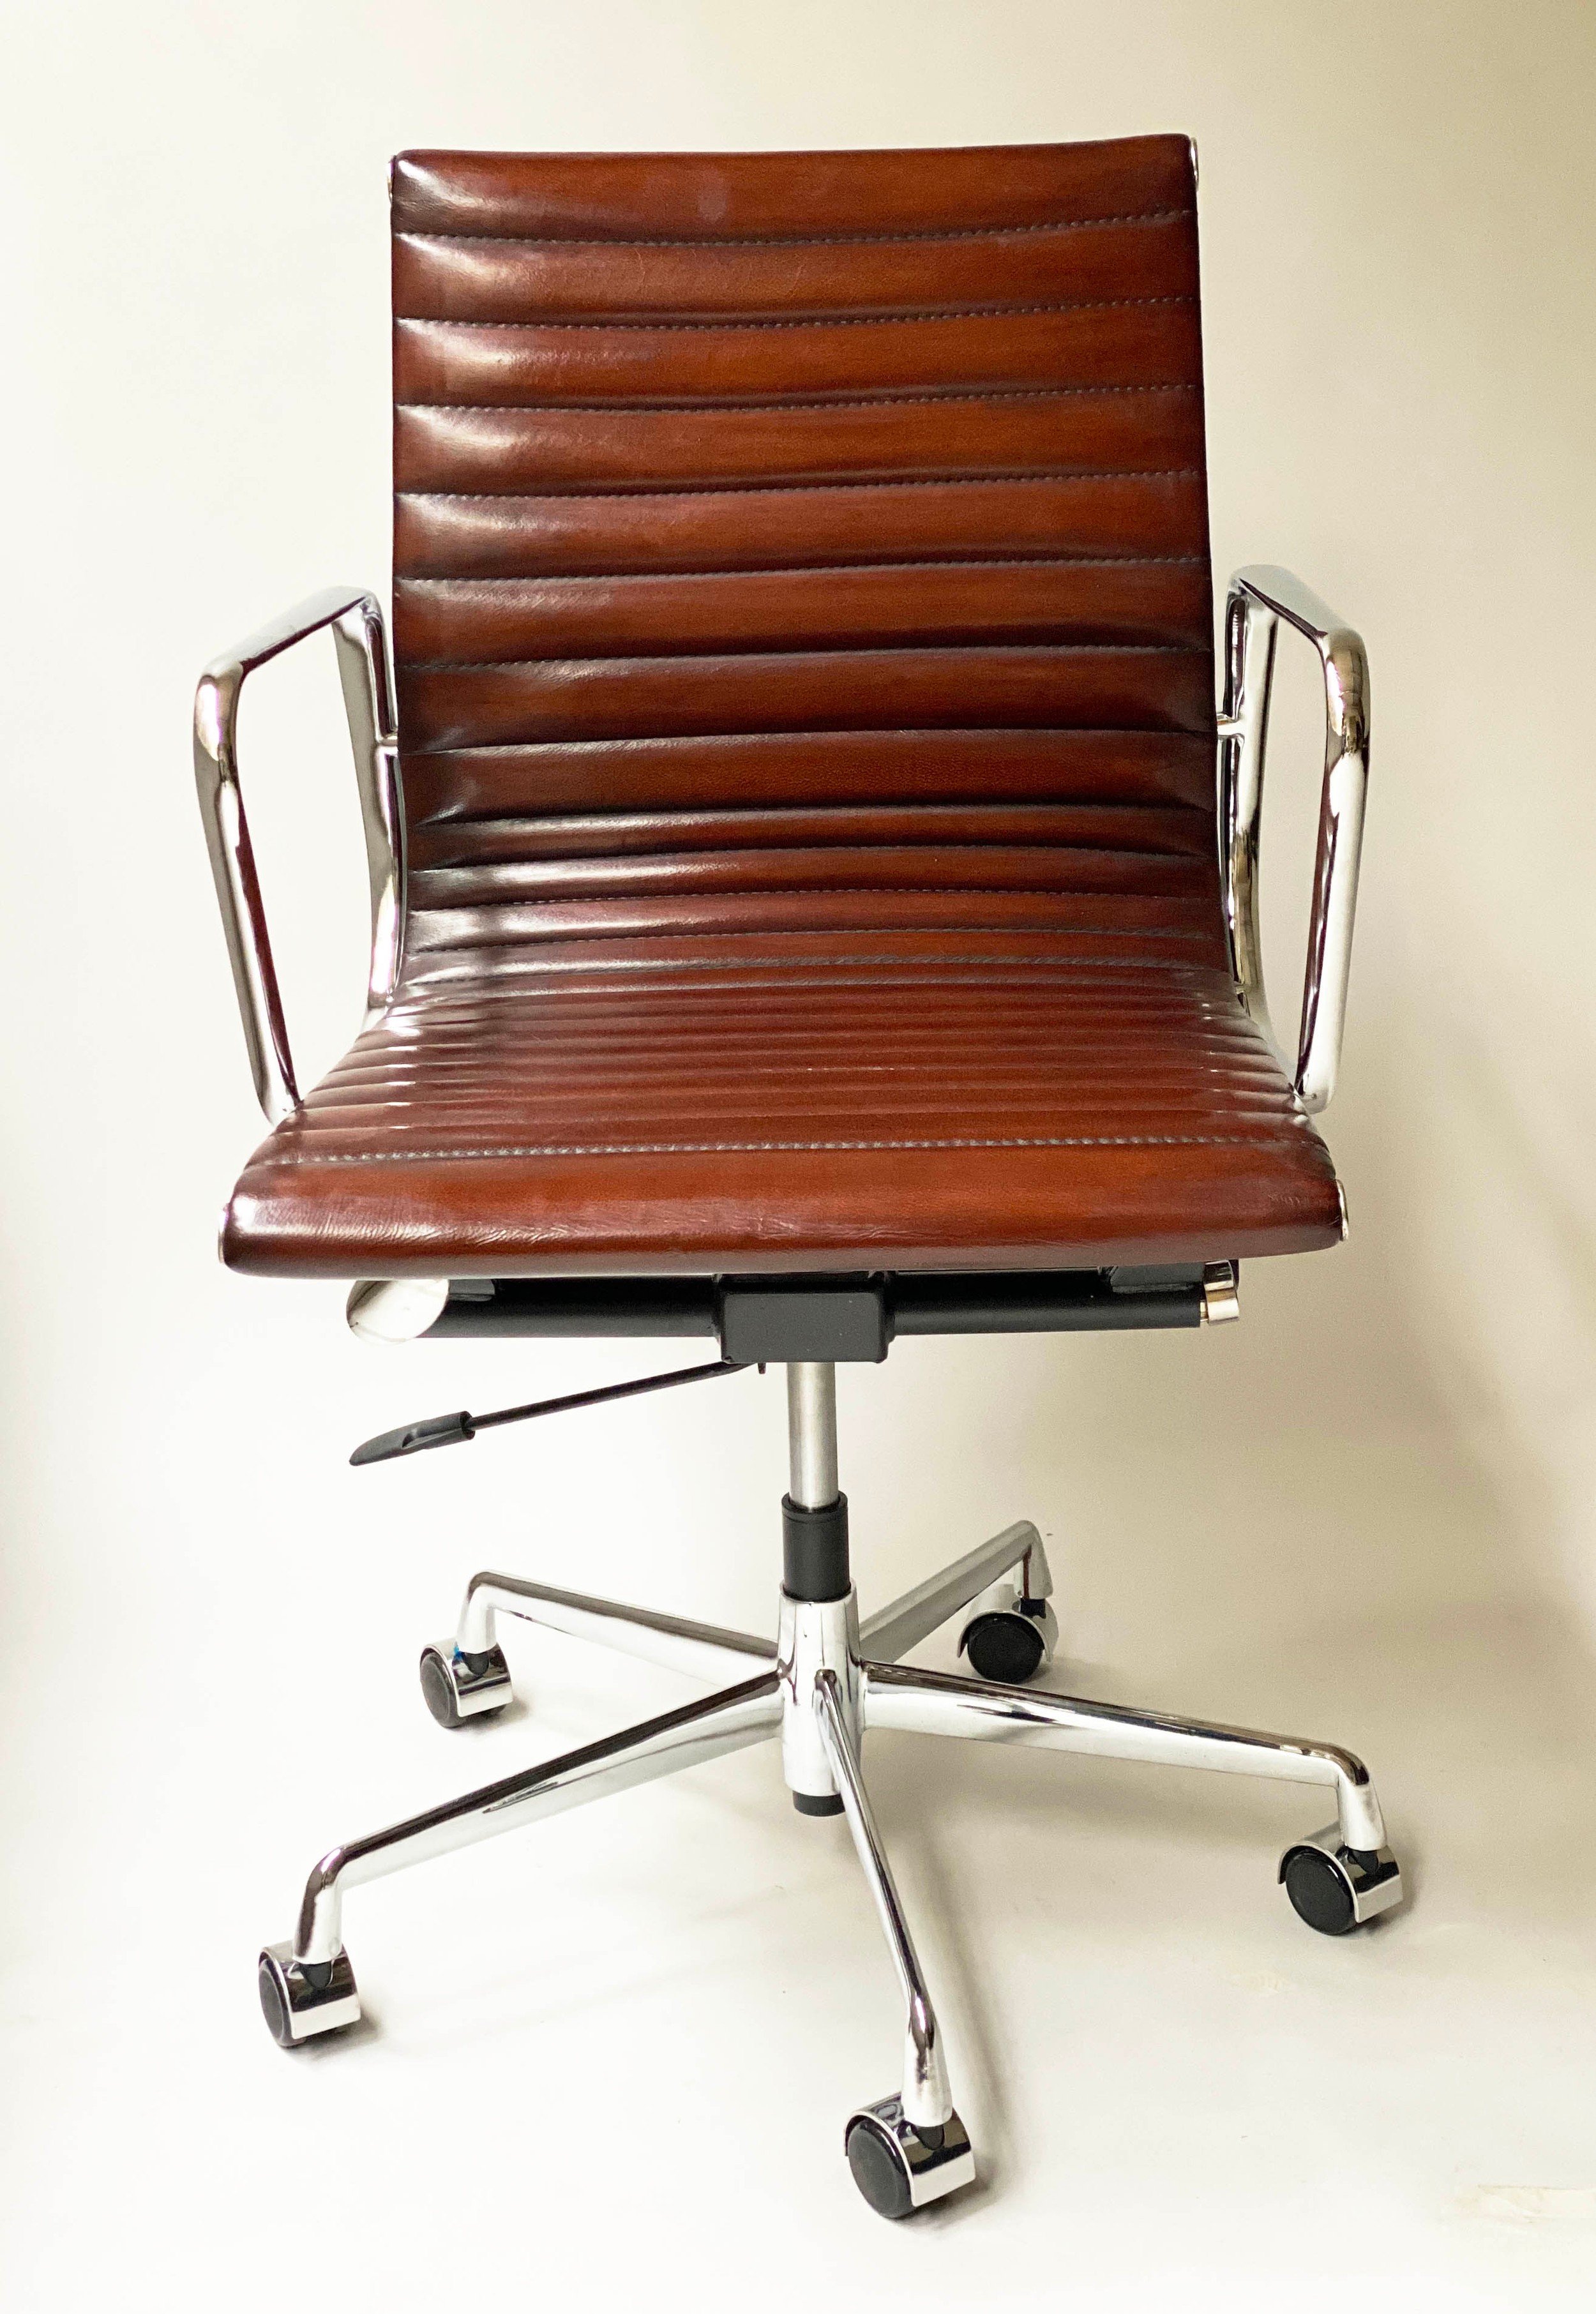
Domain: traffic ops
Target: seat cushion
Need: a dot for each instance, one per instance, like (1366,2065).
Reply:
(799,1101)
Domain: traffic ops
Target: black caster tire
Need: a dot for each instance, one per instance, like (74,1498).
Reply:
(1008,1650)
(878,2170)
(273,2007)
(1319,1892)
(437,1691)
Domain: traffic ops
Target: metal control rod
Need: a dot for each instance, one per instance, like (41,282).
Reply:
(454,1429)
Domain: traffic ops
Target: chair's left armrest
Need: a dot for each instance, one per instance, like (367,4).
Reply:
(356,620)
(1260,597)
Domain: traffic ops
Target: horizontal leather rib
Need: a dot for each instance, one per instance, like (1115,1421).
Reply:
(842,767)
(572,1057)
(456,842)
(958,603)
(457,957)
(982,867)
(1128,920)
(519,534)
(718,197)
(795,691)
(1113,343)
(515,449)
(1148,255)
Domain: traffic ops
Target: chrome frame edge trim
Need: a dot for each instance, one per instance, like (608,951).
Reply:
(393,1309)
(1260,596)
(360,640)
(1221,1293)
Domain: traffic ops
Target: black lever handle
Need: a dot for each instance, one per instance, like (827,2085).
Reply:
(452,1429)
(416,1438)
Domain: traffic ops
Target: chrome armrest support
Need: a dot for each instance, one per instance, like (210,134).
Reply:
(355,619)
(1260,597)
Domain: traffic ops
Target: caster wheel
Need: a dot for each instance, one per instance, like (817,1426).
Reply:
(1320,1894)
(1011,1639)
(899,2169)
(1336,1889)
(302,1999)
(459,1687)
(879,2170)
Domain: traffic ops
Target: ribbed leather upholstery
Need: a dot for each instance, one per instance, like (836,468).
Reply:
(804,640)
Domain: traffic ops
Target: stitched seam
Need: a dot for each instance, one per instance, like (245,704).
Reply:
(619,406)
(798,891)
(417,1000)
(557,1003)
(897,482)
(745,932)
(767,818)
(911,965)
(669,1049)
(839,819)
(815,320)
(616,1019)
(593,1030)
(892,650)
(795,241)
(706,1148)
(579,1029)
(818,569)
(846,731)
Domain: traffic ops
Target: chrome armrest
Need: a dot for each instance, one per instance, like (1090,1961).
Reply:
(1260,597)
(355,619)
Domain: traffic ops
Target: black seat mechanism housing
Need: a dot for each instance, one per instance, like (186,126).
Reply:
(839,1320)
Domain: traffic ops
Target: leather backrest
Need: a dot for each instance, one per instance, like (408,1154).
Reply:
(804,540)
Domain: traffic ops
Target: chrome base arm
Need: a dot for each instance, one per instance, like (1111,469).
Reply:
(725,1722)
(892,1631)
(927,2102)
(699,1651)
(933,1703)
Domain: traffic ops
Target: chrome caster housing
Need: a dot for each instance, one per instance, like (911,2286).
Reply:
(1008,1638)
(898,2167)
(460,1687)
(1336,1888)
(302,1999)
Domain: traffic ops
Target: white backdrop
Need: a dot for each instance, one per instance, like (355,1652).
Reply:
(1377,1489)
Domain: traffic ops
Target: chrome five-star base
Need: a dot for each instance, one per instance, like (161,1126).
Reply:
(825,1681)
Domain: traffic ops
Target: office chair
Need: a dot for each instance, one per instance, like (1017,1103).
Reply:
(804,911)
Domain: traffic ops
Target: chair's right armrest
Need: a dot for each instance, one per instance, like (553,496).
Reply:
(1260,597)
(356,620)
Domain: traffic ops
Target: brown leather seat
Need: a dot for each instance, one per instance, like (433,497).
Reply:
(804,644)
